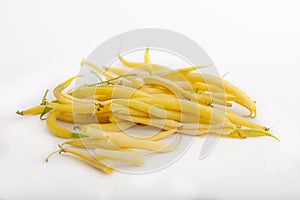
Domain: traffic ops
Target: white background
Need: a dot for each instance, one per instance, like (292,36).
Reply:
(257,42)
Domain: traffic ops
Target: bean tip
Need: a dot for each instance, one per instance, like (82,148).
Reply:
(82,62)
(54,152)
(19,112)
